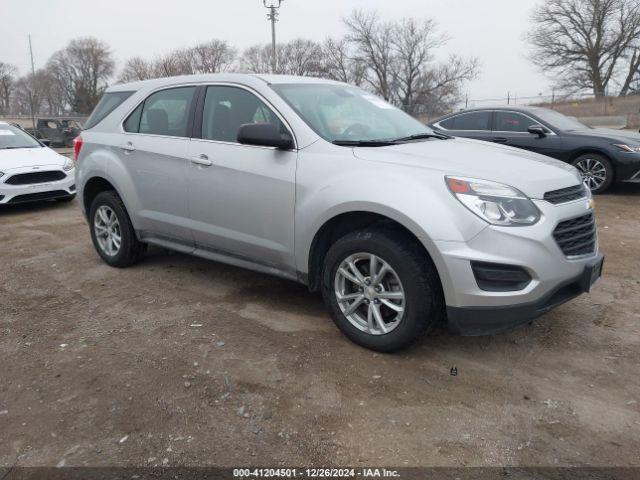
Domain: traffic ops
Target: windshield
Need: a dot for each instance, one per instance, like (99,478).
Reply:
(12,137)
(560,121)
(343,113)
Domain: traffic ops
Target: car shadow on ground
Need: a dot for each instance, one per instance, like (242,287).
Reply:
(34,207)
(291,299)
(624,189)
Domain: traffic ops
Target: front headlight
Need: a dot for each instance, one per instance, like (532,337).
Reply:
(68,165)
(627,148)
(495,203)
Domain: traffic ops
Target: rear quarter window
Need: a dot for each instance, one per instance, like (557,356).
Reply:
(107,104)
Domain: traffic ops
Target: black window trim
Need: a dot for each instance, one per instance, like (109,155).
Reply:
(85,127)
(197,127)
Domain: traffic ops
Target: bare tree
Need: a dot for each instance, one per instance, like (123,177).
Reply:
(82,69)
(373,43)
(339,62)
(583,42)
(398,60)
(297,57)
(257,59)
(211,57)
(300,57)
(28,94)
(171,65)
(440,87)
(136,69)
(8,74)
(413,43)
(632,78)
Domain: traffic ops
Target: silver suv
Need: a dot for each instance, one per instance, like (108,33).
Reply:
(326,184)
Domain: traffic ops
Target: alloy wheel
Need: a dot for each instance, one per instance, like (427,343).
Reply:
(593,172)
(369,293)
(107,230)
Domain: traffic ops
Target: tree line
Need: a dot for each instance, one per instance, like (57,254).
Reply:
(394,59)
(582,45)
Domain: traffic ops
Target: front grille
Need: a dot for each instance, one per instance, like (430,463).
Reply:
(577,236)
(33,197)
(35,177)
(565,195)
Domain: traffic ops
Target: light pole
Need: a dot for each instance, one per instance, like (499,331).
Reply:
(272,16)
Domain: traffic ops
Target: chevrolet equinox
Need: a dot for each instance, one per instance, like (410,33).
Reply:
(320,182)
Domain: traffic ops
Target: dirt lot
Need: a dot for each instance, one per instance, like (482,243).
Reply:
(180,361)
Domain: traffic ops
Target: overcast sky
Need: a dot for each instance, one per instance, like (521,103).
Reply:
(491,30)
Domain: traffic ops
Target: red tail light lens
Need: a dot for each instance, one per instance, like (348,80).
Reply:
(77,146)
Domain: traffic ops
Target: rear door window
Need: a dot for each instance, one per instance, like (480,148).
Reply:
(473,121)
(107,104)
(164,113)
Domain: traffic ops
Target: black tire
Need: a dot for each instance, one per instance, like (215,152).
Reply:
(131,249)
(67,199)
(604,161)
(423,292)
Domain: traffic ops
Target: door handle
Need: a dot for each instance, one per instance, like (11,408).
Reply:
(128,147)
(201,160)
(500,139)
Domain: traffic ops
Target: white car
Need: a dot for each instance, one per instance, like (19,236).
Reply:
(30,171)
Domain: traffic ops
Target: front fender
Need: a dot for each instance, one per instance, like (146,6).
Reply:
(416,198)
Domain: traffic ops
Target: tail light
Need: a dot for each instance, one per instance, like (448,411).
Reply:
(77,146)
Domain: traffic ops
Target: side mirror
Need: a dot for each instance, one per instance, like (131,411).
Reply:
(264,135)
(537,130)
(46,142)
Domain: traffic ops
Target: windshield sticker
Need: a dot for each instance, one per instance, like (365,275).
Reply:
(378,102)
(6,133)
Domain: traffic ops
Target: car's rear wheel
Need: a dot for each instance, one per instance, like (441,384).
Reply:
(381,288)
(596,170)
(112,233)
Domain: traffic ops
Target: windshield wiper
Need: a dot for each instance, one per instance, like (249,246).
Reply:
(421,136)
(364,143)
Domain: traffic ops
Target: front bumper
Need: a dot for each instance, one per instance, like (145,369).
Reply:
(474,321)
(555,278)
(14,194)
(627,166)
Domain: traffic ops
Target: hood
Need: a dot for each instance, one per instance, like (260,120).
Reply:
(616,136)
(532,174)
(29,157)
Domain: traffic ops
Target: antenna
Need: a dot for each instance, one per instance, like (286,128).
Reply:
(272,16)
(33,85)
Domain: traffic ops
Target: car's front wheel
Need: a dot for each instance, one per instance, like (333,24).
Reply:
(381,288)
(596,170)
(112,233)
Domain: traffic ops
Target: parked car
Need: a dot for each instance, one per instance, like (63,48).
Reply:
(323,183)
(602,156)
(30,171)
(60,132)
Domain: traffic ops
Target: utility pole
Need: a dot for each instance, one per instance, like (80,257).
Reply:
(272,16)
(33,84)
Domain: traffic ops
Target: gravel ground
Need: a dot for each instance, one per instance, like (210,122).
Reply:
(180,361)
